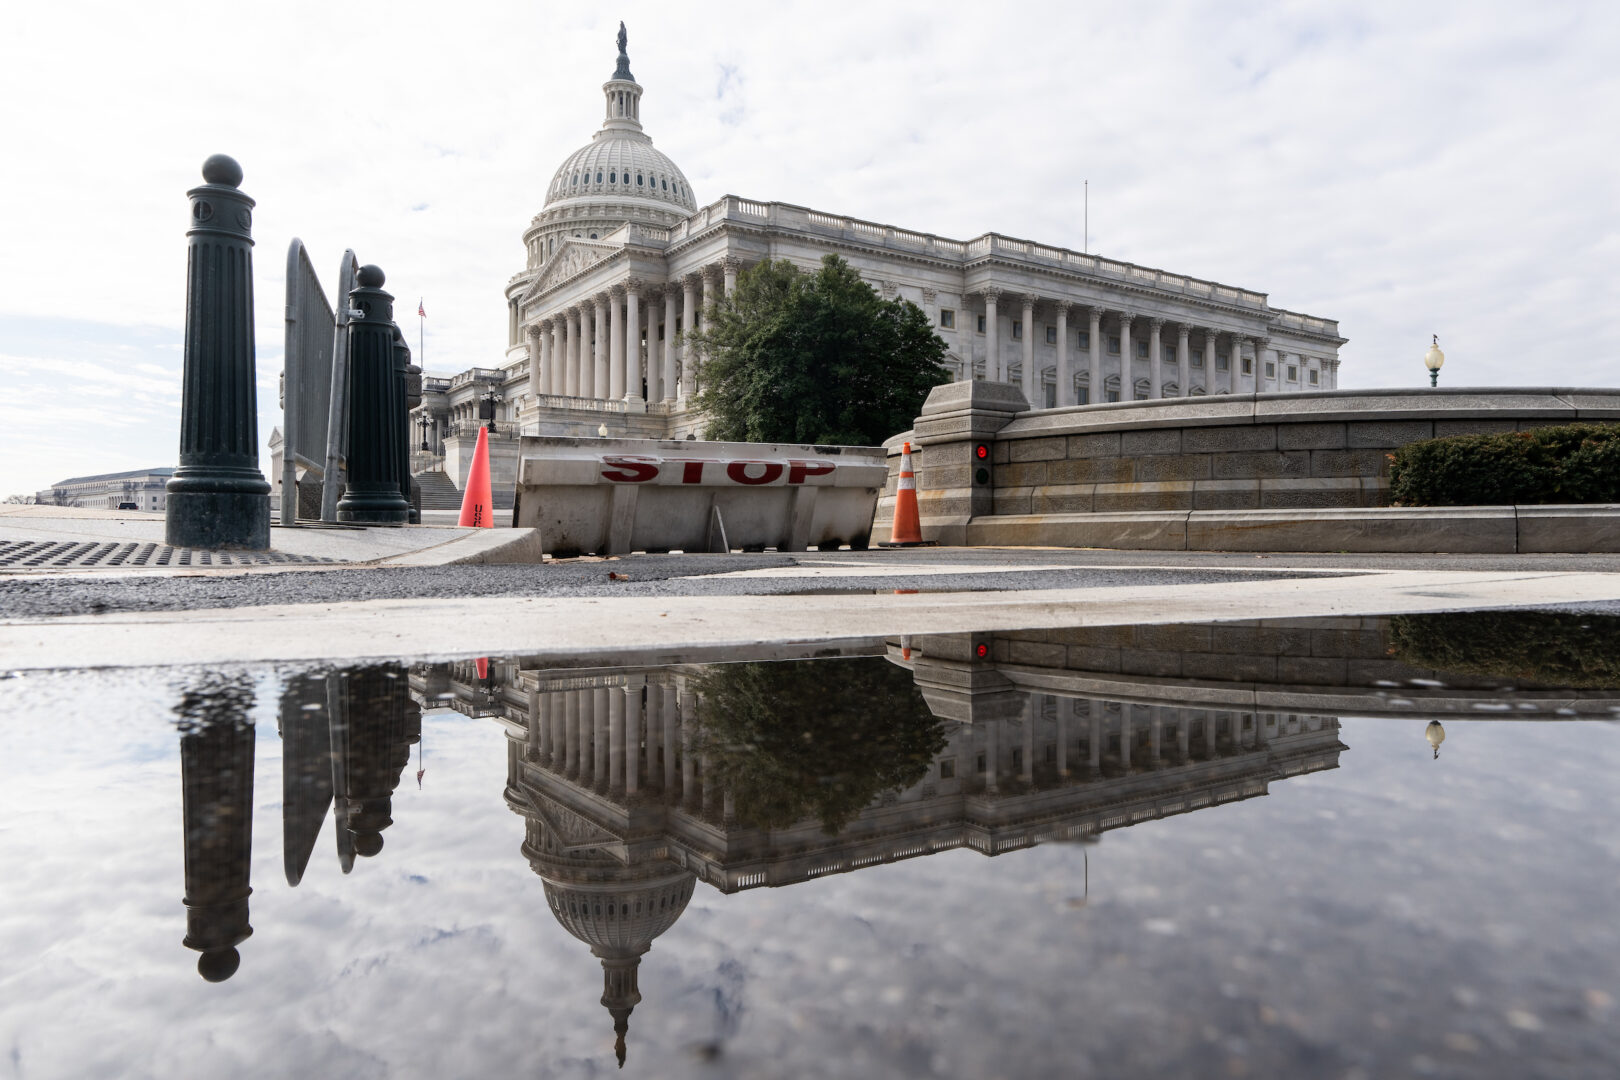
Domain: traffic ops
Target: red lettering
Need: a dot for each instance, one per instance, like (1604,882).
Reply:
(798,470)
(629,468)
(738,471)
(693,472)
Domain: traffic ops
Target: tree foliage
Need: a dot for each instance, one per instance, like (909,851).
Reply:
(814,358)
(813,738)
(1550,648)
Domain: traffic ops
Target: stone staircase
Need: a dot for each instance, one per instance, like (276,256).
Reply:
(439,492)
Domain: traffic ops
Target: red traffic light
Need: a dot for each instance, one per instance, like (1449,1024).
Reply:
(982,451)
(983,650)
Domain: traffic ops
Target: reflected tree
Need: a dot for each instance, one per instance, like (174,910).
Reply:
(807,738)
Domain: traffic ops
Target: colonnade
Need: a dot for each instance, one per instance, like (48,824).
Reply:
(1195,346)
(622,739)
(606,346)
(1080,730)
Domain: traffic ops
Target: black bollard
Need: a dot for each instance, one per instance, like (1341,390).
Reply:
(217,497)
(409,377)
(376,398)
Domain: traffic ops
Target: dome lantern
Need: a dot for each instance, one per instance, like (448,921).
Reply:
(623,92)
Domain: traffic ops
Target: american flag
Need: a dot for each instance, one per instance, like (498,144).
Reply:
(420,313)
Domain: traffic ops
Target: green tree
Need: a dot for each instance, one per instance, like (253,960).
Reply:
(814,358)
(813,738)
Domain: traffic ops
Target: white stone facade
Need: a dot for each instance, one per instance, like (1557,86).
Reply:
(621,260)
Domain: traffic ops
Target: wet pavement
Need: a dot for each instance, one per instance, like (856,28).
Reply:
(1344,846)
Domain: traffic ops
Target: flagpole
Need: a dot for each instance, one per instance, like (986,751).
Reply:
(421,336)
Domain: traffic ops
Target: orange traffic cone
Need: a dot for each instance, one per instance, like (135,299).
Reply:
(907,528)
(477,507)
(481,665)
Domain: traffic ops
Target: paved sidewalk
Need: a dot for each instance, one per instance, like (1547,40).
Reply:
(71,535)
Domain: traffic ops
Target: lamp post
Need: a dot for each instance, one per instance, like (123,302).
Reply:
(486,408)
(424,423)
(1433,359)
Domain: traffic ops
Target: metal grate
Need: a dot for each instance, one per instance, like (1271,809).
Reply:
(54,554)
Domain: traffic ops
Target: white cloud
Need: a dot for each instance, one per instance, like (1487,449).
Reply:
(1404,168)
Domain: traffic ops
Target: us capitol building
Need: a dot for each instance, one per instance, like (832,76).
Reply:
(622,259)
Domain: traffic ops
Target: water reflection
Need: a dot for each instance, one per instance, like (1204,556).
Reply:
(639,779)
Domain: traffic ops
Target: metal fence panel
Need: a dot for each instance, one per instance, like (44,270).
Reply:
(307,386)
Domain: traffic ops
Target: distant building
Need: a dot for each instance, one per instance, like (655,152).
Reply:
(143,488)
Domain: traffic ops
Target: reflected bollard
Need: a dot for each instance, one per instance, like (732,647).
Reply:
(217,497)
(376,399)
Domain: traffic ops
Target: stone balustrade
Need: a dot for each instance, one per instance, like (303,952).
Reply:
(1151,468)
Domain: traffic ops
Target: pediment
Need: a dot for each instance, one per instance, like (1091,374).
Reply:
(572,258)
(571,831)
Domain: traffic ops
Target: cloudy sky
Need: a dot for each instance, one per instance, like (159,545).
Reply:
(1404,168)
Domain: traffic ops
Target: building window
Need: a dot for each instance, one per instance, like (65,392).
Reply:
(947,318)
(1018,757)
(1197,359)
(1271,369)
(1313,378)
(947,769)
(1017,330)
(1113,395)
(1141,350)
(1083,395)
(1223,361)
(1293,373)
(1248,365)
(598,178)
(981,324)
(1113,344)
(613,178)
(638,179)
(1051,395)
(1051,335)
(593,236)
(1169,354)
(1085,340)
(979,764)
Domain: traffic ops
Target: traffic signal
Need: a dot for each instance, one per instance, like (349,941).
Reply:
(981,463)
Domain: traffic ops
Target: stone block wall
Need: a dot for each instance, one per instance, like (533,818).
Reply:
(1319,451)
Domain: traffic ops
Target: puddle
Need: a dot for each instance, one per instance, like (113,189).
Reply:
(1318,847)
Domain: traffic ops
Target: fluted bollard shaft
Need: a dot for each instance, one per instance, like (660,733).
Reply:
(217,497)
(376,400)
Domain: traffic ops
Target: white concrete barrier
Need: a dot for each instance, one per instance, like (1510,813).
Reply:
(613,496)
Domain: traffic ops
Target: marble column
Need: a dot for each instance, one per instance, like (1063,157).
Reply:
(548,366)
(655,731)
(689,285)
(534,741)
(1065,378)
(1031,384)
(632,740)
(1094,372)
(615,748)
(688,711)
(1028,719)
(1183,361)
(559,369)
(666,381)
(729,266)
(1184,735)
(1094,738)
(1155,358)
(557,710)
(1261,345)
(1210,380)
(572,724)
(1156,735)
(1063,738)
(992,766)
(1127,361)
(1125,735)
(1238,381)
(615,387)
(599,345)
(992,346)
(709,296)
(671,715)
(536,372)
(570,339)
(601,716)
(631,390)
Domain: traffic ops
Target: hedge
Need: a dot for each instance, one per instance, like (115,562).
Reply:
(1572,463)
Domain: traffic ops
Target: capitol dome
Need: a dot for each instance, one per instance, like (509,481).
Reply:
(616,177)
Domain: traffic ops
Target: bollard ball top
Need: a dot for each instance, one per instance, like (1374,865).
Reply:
(371,276)
(222,169)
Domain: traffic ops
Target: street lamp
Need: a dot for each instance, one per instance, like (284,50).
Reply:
(1436,734)
(486,408)
(425,423)
(1433,359)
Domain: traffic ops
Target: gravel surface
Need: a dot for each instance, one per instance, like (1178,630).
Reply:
(640,575)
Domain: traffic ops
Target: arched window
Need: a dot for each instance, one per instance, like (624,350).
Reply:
(593,236)
(638,179)
(665,183)
(598,177)
(613,178)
